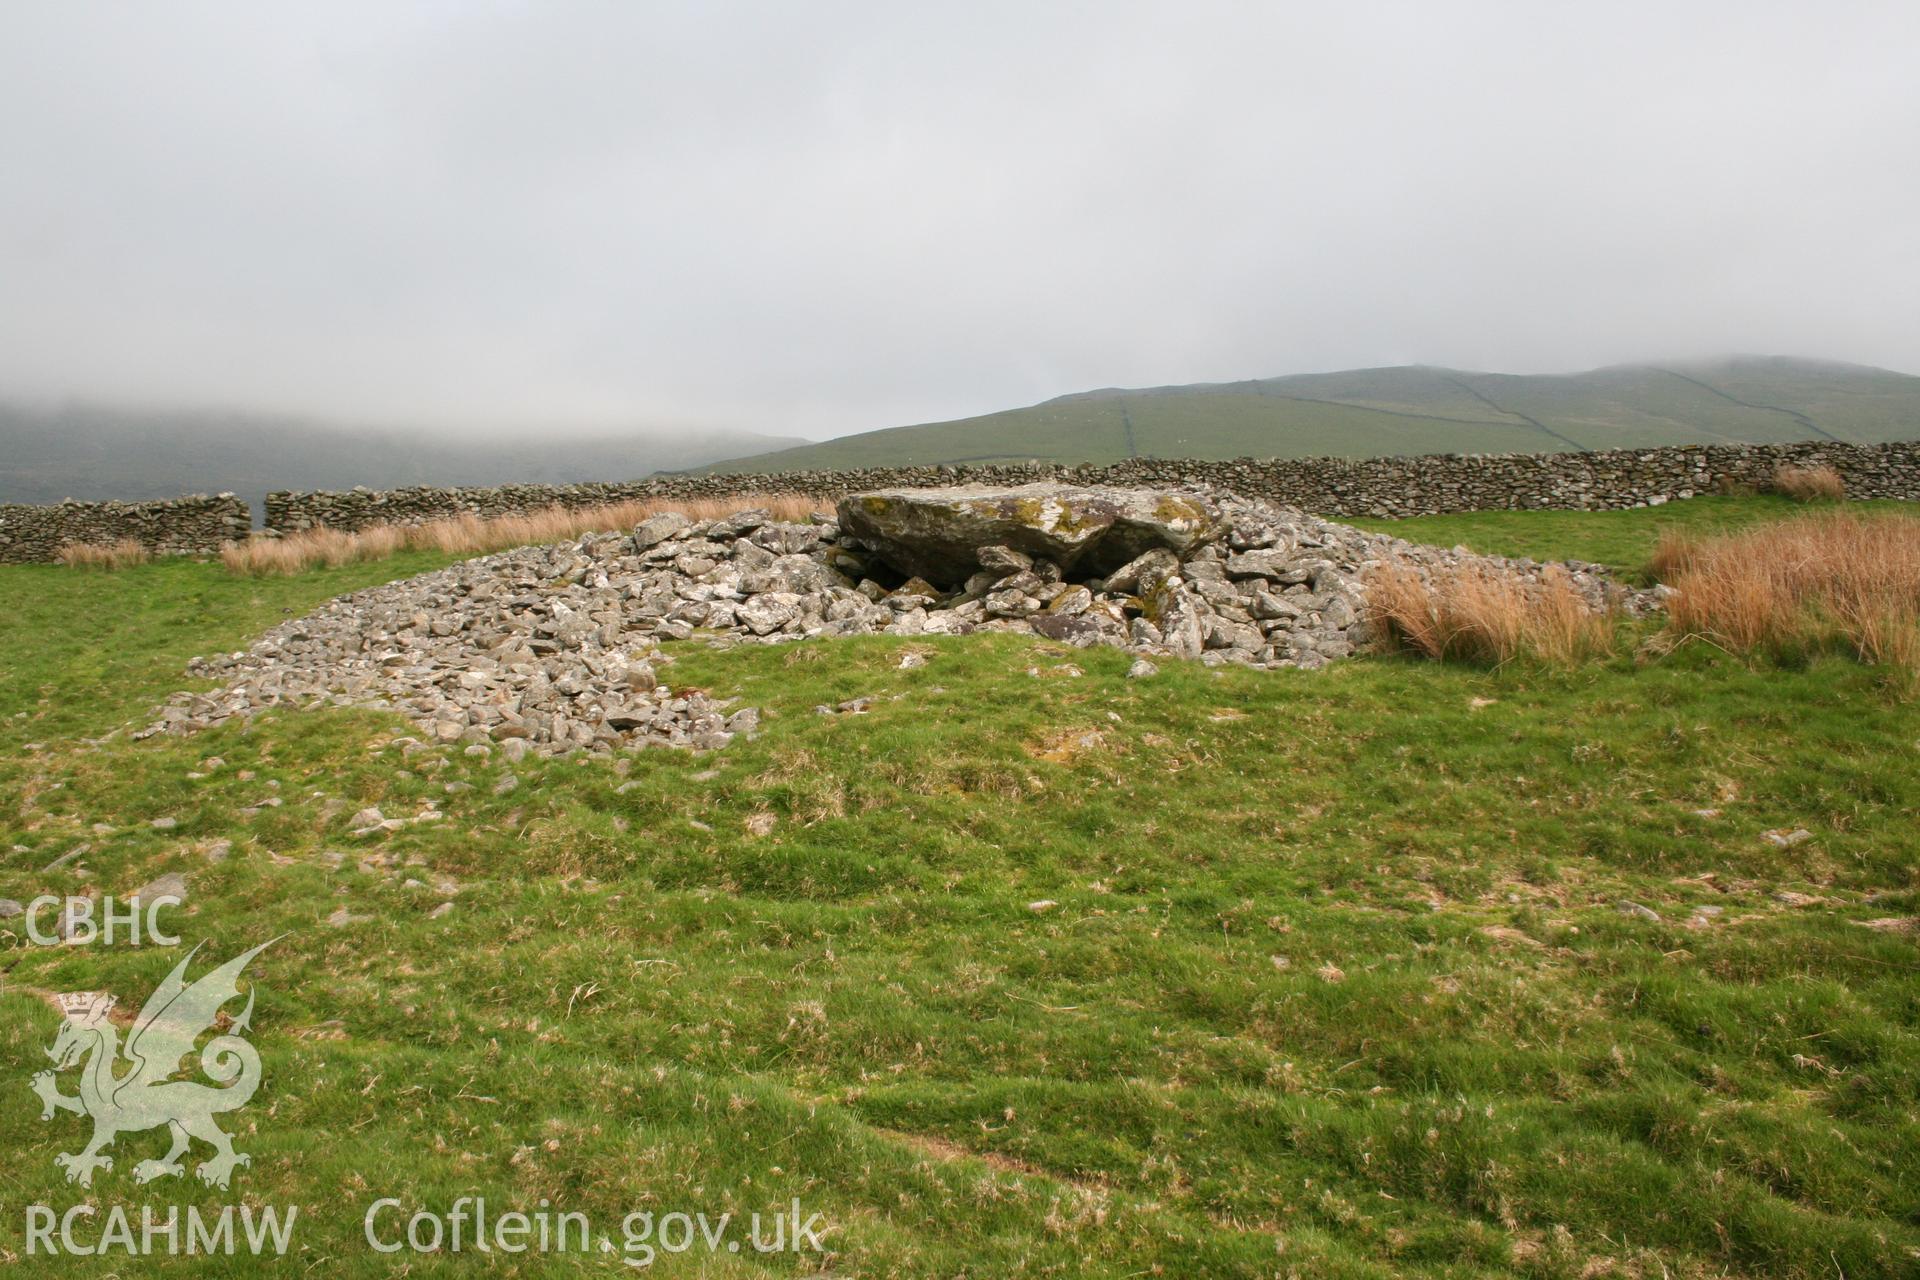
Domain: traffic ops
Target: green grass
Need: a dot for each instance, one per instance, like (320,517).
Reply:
(1361,413)
(1624,540)
(1336,984)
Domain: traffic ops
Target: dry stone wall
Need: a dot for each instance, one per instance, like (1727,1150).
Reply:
(194,525)
(1427,485)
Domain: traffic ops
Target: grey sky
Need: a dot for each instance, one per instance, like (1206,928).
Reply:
(828,217)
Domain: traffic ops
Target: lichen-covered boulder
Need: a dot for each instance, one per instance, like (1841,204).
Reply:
(939,534)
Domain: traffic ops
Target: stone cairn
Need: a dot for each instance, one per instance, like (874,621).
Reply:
(557,648)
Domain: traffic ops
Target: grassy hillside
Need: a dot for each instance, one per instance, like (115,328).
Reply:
(1413,410)
(1336,982)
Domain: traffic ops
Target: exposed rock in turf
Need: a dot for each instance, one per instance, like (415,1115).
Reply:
(172,885)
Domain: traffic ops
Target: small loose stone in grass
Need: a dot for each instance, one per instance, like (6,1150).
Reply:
(368,817)
(67,857)
(164,824)
(342,917)
(1141,669)
(1781,838)
(854,706)
(1637,911)
(440,911)
(9,908)
(70,918)
(1042,906)
(506,784)
(1506,933)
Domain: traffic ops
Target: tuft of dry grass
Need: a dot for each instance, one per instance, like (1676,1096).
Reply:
(1834,580)
(1477,613)
(261,555)
(1810,484)
(1673,554)
(472,535)
(105,555)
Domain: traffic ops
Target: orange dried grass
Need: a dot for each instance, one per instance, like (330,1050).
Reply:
(1810,484)
(1477,613)
(1816,582)
(473,535)
(117,554)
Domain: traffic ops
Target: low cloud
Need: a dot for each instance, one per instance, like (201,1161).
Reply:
(832,217)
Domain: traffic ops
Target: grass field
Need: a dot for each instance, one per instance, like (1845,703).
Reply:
(1359,413)
(1336,980)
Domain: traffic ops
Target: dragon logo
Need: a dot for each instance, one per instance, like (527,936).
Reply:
(131,1089)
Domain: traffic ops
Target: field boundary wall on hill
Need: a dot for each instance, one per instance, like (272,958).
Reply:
(1386,487)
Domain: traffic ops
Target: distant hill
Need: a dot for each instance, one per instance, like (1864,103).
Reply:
(88,452)
(1412,409)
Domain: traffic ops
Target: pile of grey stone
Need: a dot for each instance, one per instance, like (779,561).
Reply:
(557,648)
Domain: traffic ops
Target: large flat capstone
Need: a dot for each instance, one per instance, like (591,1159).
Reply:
(937,534)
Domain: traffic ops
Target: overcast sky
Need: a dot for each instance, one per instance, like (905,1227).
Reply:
(822,217)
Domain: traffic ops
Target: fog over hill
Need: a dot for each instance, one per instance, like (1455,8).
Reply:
(1410,409)
(48,453)
(91,451)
